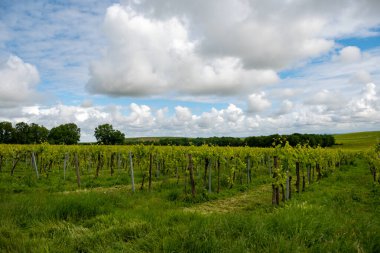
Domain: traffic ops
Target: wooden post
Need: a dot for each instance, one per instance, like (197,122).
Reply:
(77,169)
(35,165)
(290,187)
(15,162)
(209,177)
(277,196)
(318,169)
(287,188)
(275,189)
(118,162)
(218,168)
(150,170)
(65,165)
(132,176)
(283,192)
(275,162)
(99,165)
(112,163)
(303,183)
(192,182)
(205,175)
(298,177)
(248,170)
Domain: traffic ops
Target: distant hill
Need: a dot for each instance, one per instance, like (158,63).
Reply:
(360,140)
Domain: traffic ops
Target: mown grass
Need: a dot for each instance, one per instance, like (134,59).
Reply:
(340,213)
(357,141)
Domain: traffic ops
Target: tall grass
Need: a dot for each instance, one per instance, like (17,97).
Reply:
(338,214)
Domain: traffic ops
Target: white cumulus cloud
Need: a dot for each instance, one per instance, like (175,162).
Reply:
(257,102)
(350,54)
(18,82)
(146,56)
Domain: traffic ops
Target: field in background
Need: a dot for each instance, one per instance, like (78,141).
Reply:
(357,141)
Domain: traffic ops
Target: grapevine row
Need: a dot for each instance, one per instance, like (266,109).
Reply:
(196,169)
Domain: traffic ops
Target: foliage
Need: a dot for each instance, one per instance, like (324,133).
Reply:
(105,134)
(6,132)
(64,134)
(30,134)
(312,140)
(37,134)
(22,133)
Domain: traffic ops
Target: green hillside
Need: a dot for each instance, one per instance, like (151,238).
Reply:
(360,140)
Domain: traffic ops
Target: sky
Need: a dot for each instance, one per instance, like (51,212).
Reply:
(192,68)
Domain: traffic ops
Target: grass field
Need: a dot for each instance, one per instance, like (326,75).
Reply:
(341,213)
(357,141)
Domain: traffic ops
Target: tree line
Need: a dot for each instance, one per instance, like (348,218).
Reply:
(68,134)
(313,140)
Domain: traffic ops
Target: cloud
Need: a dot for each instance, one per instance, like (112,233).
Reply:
(182,114)
(329,83)
(153,57)
(361,77)
(87,103)
(224,48)
(18,81)
(350,54)
(257,102)
(367,105)
(362,111)
(59,38)
(222,121)
(255,31)
(332,100)
(140,116)
(285,107)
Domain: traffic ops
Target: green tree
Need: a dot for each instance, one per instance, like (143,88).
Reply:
(6,132)
(21,133)
(105,134)
(64,134)
(37,134)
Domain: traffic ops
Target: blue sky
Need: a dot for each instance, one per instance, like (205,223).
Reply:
(192,68)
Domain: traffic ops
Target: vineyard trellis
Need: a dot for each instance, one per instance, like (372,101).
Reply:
(196,169)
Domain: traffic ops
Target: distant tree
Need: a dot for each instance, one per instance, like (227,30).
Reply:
(105,134)
(37,134)
(6,132)
(21,133)
(64,134)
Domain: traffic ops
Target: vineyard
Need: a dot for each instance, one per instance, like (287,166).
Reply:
(194,169)
(69,188)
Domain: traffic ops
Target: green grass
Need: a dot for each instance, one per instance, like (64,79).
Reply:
(357,141)
(341,213)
